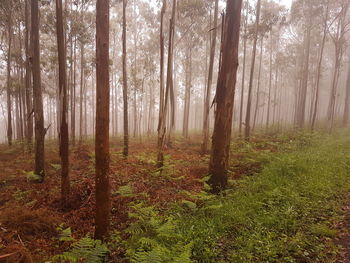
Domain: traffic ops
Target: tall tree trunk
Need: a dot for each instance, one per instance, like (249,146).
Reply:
(21,88)
(270,85)
(347,101)
(163,115)
(210,79)
(73,91)
(245,38)
(103,203)
(251,79)
(82,83)
(125,87)
(161,118)
(301,108)
(63,136)
(225,91)
(259,82)
(37,94)
(8,89)
(28,92)
(187,92)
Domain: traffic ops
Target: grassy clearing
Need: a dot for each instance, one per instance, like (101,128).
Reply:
(284,213)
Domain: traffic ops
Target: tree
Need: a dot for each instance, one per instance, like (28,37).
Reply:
(319,66)
(250,89)
(347,100)
(125,87)
(63,136)
(339,42)
(225,91)
(245,39)
(28,78)
(8,90)
(37,95)
(210,79)
(169,85)
(102,120)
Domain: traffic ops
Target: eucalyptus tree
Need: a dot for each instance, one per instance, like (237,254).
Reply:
(103,203)
(338,36)
(63,136)
(252,67)
(219,158)
(37,94)
(210,79)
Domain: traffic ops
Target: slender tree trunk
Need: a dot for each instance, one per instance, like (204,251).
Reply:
(161,119)
(225,91)
(29,99)
(245,38)
(347,101)
(82,81)
(73,93)
(210,79)
(8,89)
(63,136)
(21,88)
(187,92)
(163,115)
(259,82)
(305,77)
(250,89)
(37,94)
(103,203)
(125,87)
(270,85)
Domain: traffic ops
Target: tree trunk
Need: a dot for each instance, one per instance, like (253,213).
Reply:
(73,92)
(187,92)
(259,82)
(163,115)
(305,77)
(125,87)
(82,81)
(225,91)
(245,38)
(37,94)
(63,136)
(210,79)
(8,89)
(270,85)
(347,101)
(103,204)
(250,89)
(28,77)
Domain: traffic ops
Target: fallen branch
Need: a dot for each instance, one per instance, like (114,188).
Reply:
(8,255)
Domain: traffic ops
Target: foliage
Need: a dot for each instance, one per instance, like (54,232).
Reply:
(155,239)
(283,214)
(86,250)
(32,177)
(65,234)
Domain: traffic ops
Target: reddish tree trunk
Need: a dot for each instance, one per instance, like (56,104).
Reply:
(102,120)
(37,94)
(63,136)
(8,89)
(125,87)
(225,91)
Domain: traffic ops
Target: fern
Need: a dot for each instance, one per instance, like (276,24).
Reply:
(86,250)
(65,234)
(155,239)
(125,191)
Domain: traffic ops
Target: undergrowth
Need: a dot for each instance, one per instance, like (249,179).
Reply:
(282,214)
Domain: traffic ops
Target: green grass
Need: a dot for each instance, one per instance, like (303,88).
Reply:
(283,214)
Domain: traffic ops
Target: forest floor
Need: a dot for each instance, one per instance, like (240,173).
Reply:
(284,204)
